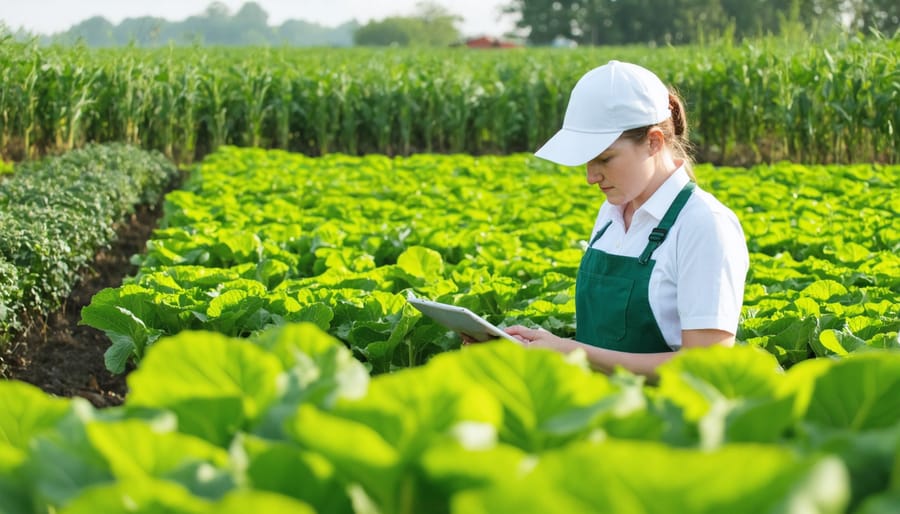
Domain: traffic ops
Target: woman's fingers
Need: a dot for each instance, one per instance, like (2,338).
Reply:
(521,333)
(515,329)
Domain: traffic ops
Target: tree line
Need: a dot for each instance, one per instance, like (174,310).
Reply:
(216,26)
(619,22)
(429,25)
(540,22)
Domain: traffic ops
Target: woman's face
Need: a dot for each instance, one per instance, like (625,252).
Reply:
(624,171)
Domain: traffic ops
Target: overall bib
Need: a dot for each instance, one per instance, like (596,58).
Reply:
(612,304)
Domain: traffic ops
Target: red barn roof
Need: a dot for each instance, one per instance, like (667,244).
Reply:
(489,42)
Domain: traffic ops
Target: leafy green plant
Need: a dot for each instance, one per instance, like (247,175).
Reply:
(289,420)
(259,238)
(56,213)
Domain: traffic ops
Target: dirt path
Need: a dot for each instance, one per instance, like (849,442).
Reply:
(66,359)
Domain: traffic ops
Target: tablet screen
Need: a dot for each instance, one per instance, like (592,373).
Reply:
(460,320)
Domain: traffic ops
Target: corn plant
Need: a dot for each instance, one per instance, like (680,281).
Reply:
(764,100)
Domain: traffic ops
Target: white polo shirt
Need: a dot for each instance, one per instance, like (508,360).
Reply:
(698,279)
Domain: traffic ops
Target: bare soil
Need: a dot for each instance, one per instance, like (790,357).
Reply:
(64,358)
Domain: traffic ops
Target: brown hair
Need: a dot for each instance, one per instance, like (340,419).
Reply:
(675,131)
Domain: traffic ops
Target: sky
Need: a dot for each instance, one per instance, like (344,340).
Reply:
(480,17)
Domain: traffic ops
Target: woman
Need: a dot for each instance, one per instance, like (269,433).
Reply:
(666,263)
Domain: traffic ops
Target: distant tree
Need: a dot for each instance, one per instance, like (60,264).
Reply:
(389,31)
(542,21)
(881,15)
(431,25)
(438,25)
(616,22)
(143,31)
(217,10)
(251,25)
(96,31)
(304,33)
(213,27)
(252,15)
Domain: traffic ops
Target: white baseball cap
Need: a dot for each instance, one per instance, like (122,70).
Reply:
(605,102)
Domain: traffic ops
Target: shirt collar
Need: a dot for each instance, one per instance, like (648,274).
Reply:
(662,199)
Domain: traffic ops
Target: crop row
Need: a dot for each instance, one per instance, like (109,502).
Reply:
(57,213)
(289,421)
(258,238)
(763,100)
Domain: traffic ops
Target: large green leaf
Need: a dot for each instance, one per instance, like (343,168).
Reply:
(137,315)
(647,477)
(370,461)
(135,449)
(885,503)
(420,265)
(869,456)
(271,272)
(146,496)
(824,290)
(853,412)
(236,247)
(472,462)
(834,342)
(216,385)
(546,399)
(402,416)
(155,308)
(732,393)
(398,327)
(316,313)
(799,383)
(127,331)
(63,463)
(236,312)
(15,497)
(161,497)
(27,411)
(857,393)
(286,469)
(243,502)
(320,370)
(791,337)
(738,372)
(421,405)
(296,343)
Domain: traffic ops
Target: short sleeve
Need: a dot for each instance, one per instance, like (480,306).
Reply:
(712,265)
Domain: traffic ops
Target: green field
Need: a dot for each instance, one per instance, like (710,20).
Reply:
(257,238)
(274,364)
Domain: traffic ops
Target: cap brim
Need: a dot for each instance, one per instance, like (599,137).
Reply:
(573,148)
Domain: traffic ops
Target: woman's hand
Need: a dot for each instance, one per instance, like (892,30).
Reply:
(537,337)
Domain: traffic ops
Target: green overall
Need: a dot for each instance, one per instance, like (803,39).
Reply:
(612,305)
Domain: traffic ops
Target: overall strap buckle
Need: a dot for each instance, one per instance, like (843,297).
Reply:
(658,235)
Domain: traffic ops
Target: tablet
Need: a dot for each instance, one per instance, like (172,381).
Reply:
(460,320)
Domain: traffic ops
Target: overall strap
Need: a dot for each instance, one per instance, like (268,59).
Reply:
(600,233)
(658,235)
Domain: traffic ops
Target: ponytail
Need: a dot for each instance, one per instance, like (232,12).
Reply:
(678,141)
(677,109)
(675,131)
